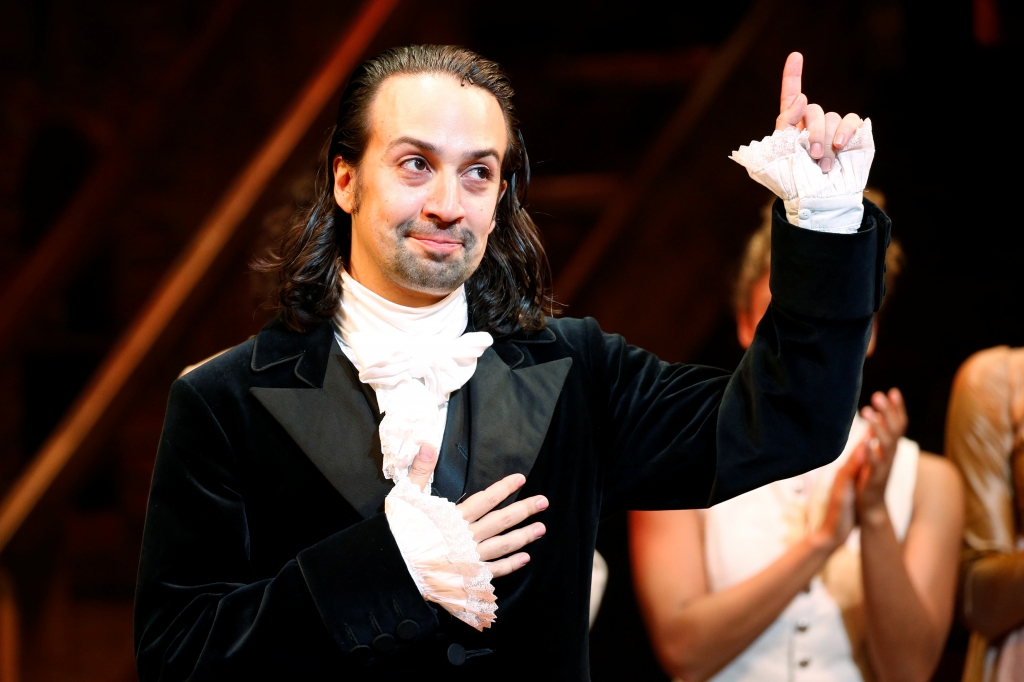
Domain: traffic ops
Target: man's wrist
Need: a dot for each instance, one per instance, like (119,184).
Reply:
(839,214)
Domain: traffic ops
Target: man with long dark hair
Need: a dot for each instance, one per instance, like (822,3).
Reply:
(344,495)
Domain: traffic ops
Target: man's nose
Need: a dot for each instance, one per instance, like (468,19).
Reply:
(444,204)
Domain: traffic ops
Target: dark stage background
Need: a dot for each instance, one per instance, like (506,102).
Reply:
(123,124)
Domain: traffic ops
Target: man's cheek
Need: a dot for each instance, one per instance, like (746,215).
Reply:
(479,249)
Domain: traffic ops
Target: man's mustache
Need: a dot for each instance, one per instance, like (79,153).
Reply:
(426,230)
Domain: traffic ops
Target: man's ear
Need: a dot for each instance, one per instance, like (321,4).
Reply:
(344,185)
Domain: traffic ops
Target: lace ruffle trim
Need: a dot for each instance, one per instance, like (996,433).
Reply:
(441,554)
(782,163)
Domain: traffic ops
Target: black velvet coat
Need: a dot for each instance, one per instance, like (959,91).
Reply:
(266,555)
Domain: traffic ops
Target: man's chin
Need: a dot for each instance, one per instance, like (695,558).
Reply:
(432,280)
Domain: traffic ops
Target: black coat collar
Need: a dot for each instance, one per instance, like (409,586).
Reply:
(334,425)
(508,348)
(276,344)
(336,428)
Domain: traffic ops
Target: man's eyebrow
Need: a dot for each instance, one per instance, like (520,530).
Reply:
(405,139)
(434,149)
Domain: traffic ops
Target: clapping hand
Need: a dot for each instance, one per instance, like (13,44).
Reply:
(840,516)
(887,419)
(829,132)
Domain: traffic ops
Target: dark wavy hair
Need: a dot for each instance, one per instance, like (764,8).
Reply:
(507,293)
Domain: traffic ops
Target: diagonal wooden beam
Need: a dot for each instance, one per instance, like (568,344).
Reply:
(616,216)
(635,68)
(106,391)
(62,250)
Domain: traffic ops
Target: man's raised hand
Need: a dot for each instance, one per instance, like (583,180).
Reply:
(828,132)
(792,101)
(488,527)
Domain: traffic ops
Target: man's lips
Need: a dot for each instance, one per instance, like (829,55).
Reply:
(439,243)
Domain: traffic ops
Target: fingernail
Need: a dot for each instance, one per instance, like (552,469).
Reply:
(520,481)
(816,150)
(539,530)
(839,141)
(542,504)
(826,165)
(525,560)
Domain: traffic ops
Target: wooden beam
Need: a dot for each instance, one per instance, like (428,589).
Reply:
(10,630)
(590,191)
(635,68)
(616,216)
(177,287)
(64,247)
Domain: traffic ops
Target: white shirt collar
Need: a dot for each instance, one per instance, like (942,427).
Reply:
(362,310)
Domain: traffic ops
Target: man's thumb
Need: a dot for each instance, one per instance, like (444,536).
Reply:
(423,466)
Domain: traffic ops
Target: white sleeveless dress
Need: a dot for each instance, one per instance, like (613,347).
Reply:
(820,635)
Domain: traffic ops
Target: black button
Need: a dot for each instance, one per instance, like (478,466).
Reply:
(407,629)
(456,654)
(361,654)
(384,644)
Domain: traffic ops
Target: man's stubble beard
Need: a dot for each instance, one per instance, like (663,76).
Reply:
(429,273)
(434,273)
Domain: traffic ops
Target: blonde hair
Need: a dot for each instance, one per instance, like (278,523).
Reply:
(757,256)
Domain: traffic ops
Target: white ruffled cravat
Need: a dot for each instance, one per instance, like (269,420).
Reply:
(826,202)
(414,358)
(414,378)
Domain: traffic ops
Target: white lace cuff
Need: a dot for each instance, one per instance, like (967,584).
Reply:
(440,554)
(826,202)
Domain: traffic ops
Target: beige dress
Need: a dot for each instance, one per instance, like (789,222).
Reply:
(985,439)
(820,635)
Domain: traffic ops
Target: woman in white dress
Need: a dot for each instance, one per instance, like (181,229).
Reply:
(846,573)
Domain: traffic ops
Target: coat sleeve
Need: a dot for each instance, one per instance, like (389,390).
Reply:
(683,436)
(201,613)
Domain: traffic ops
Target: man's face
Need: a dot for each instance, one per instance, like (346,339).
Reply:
(423,198)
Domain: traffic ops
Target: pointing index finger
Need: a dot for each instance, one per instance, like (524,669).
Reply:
(791,80)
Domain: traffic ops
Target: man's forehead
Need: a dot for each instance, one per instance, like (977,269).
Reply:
(437,109)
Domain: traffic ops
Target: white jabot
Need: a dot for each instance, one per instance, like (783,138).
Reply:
(826,202)
(414,358)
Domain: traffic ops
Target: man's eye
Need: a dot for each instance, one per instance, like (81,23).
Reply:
(480,173)
(416,164)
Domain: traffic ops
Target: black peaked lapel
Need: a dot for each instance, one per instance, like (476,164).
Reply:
(510,414)
(337,430)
